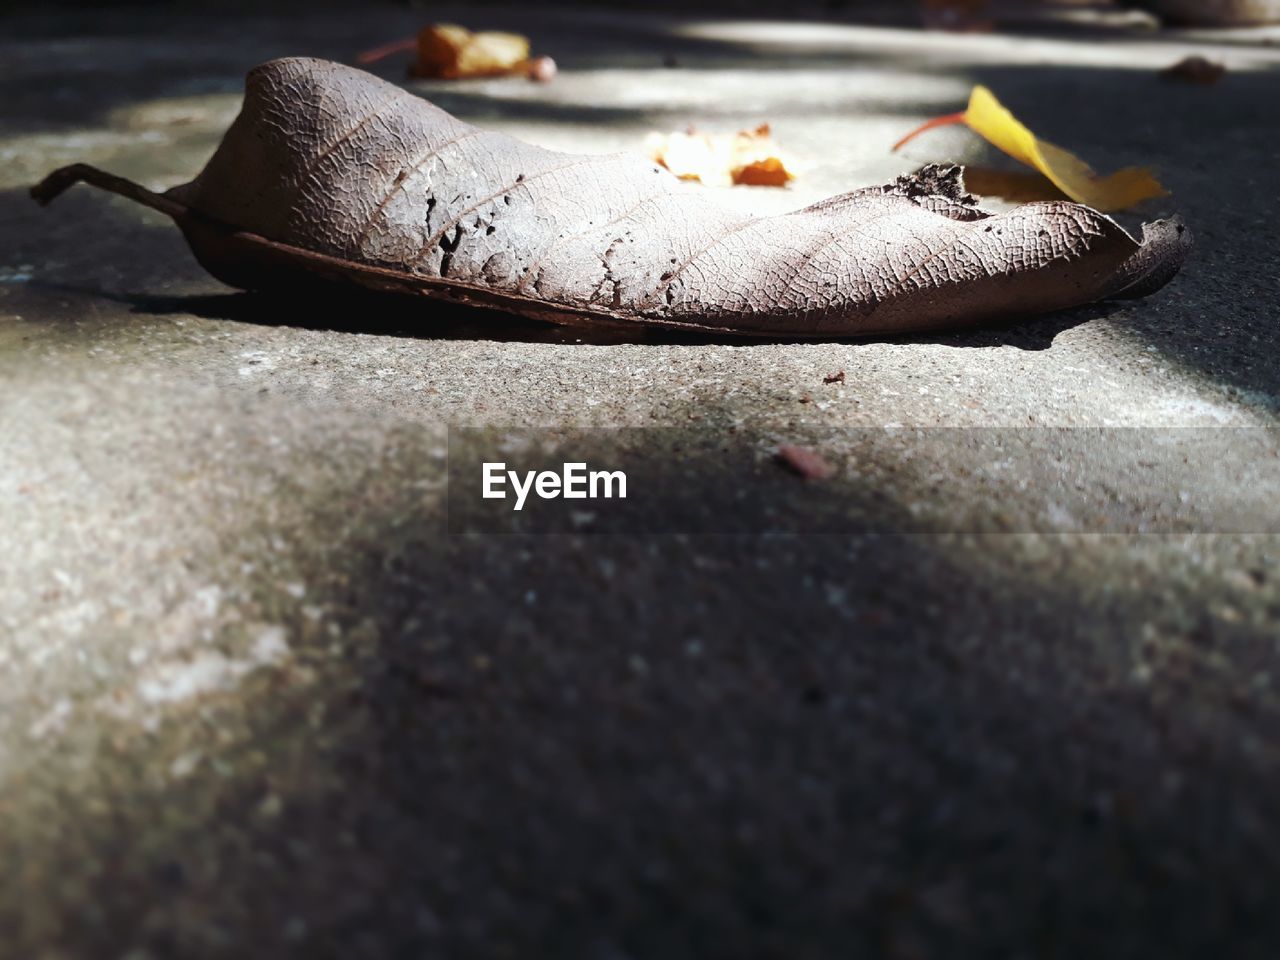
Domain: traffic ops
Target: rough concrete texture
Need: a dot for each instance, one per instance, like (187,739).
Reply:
(256,701)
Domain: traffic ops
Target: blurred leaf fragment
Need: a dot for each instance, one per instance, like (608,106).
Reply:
(748,157)
(447,51)
(1195,69)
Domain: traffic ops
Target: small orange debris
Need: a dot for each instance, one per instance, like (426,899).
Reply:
(748,157)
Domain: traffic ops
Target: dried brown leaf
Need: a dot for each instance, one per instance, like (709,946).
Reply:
(332,174)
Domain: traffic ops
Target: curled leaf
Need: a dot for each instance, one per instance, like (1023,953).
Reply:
(329,174)
(748,157)
(990,119)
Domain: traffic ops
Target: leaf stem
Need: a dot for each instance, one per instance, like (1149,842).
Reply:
(945,121)
(63,178)
(387,49)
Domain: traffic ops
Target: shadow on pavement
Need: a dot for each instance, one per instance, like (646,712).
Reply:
(627,747)
(358,312)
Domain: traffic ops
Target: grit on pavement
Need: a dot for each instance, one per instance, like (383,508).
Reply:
(259,699)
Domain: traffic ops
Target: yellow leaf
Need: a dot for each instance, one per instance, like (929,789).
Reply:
(990,119)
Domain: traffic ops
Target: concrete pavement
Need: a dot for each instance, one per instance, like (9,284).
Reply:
(256,701)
